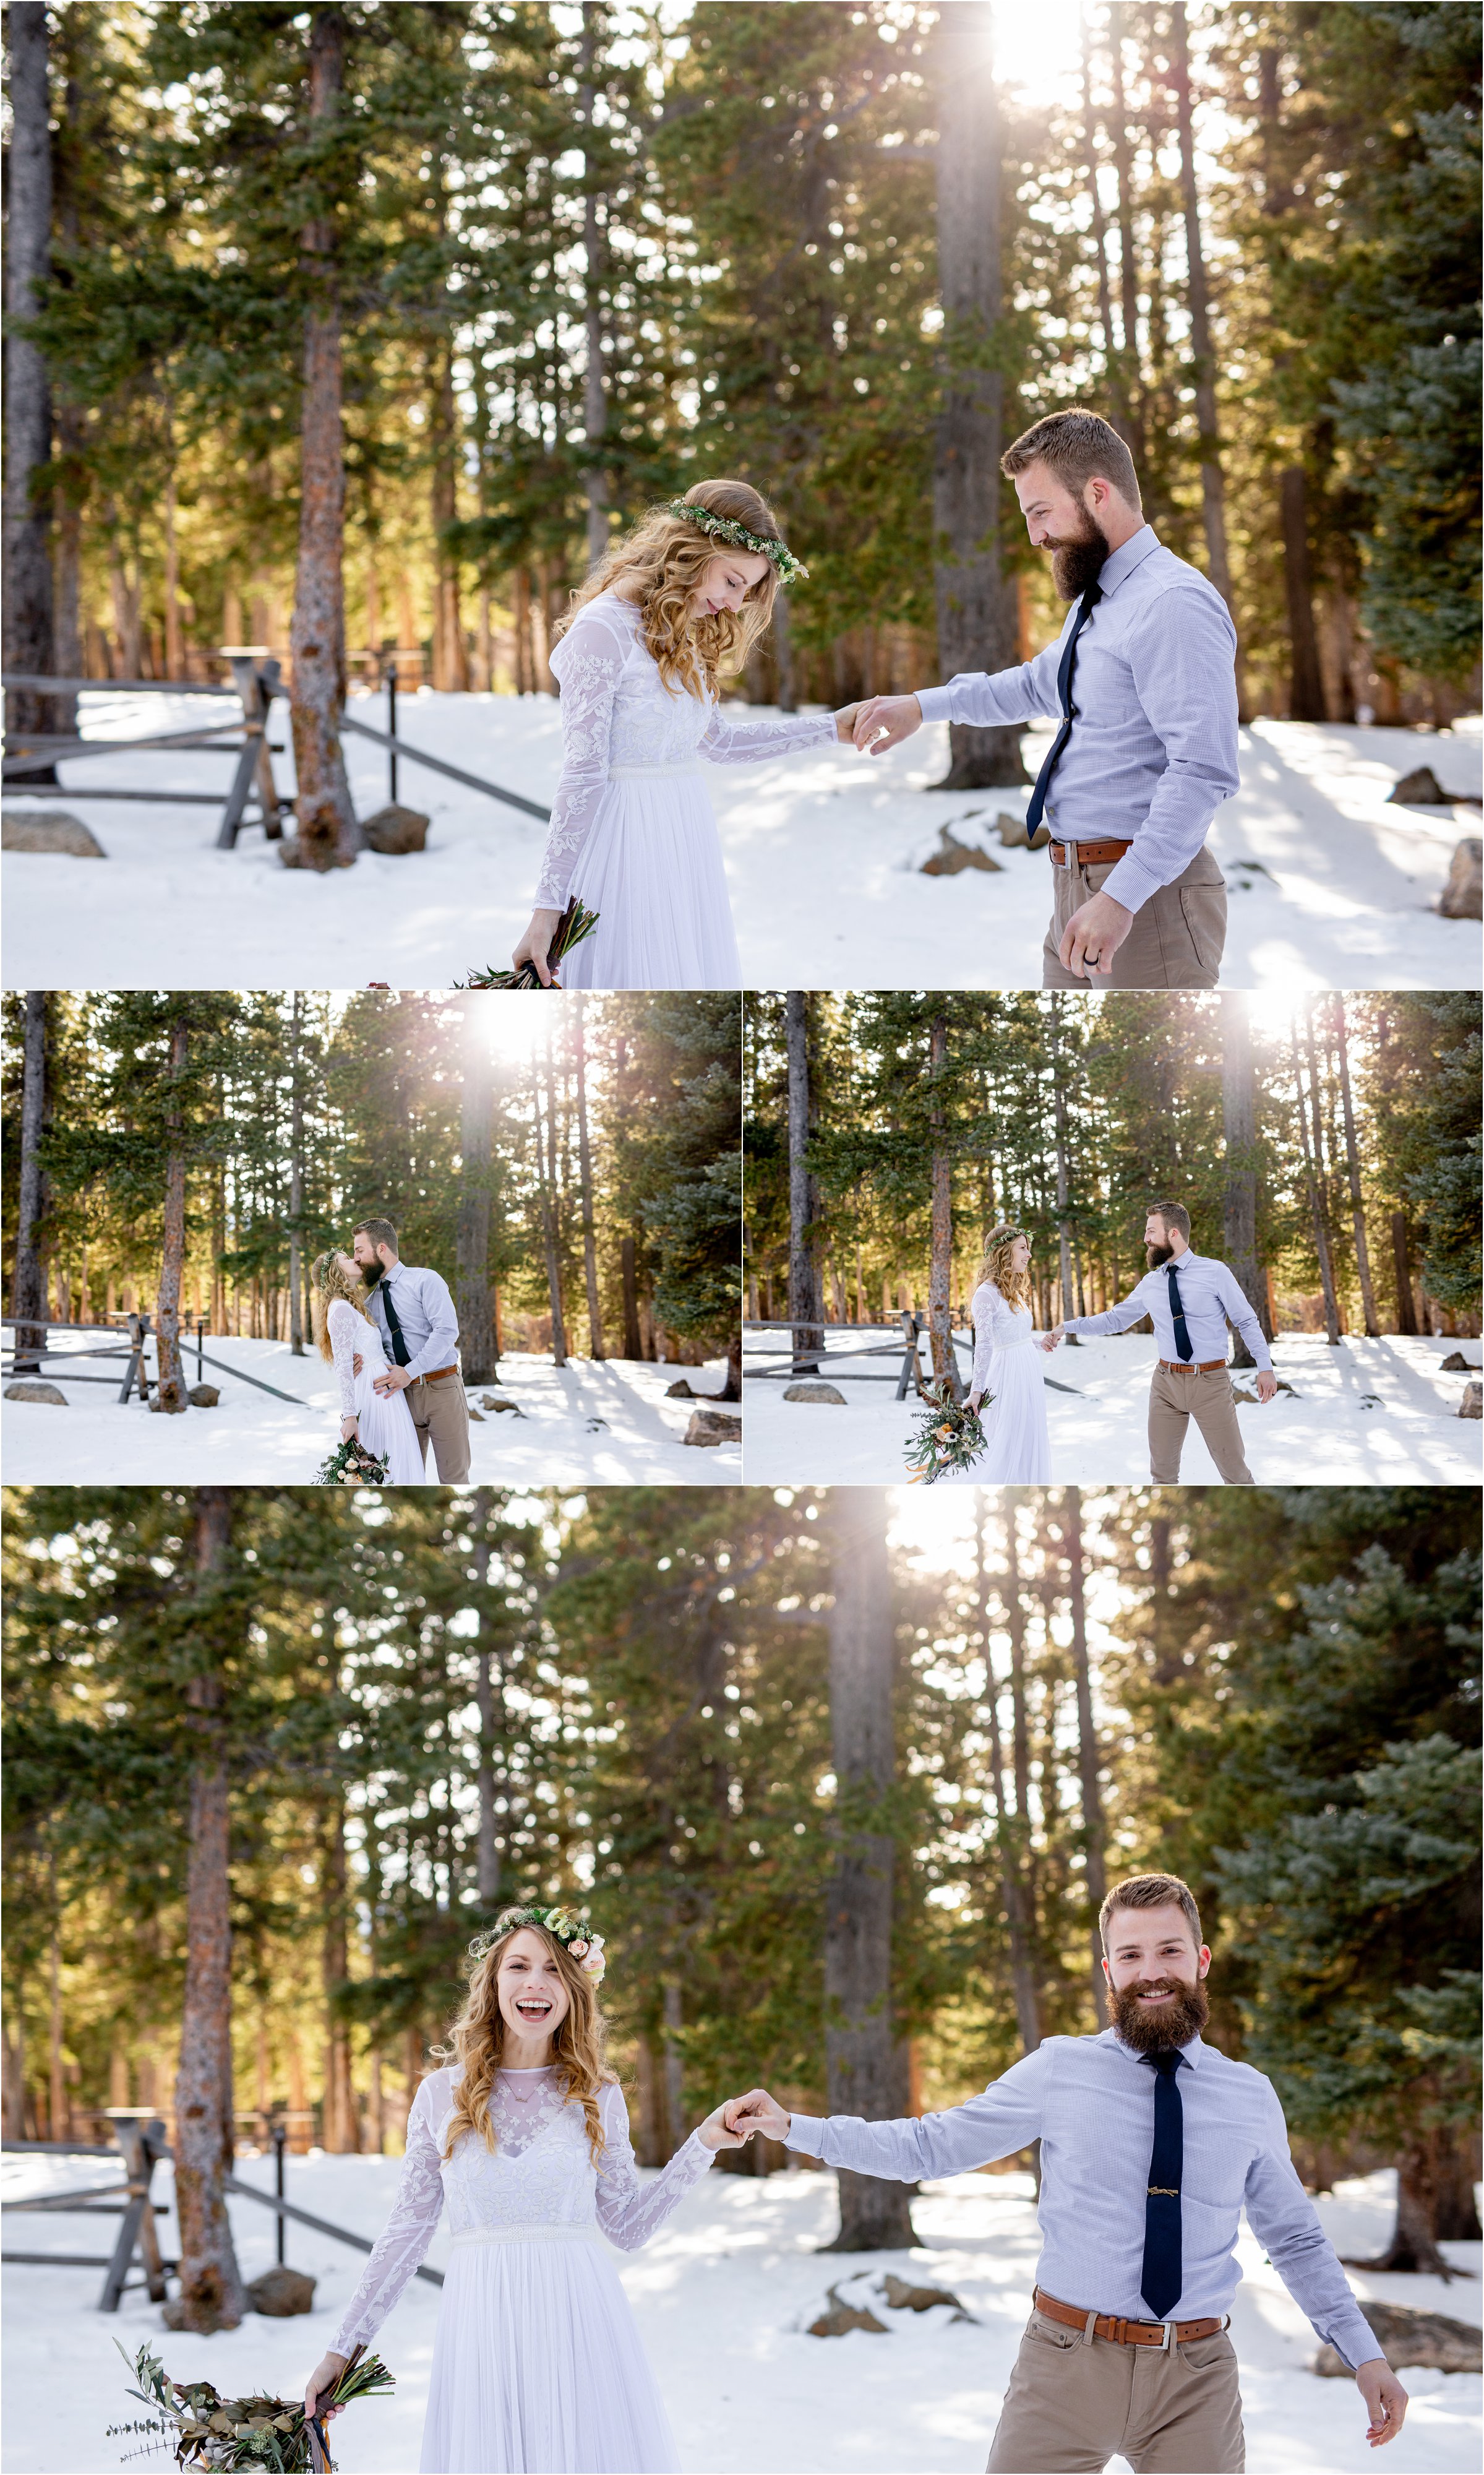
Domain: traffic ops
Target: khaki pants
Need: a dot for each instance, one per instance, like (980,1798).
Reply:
(1174,1400)
(1072,2406)
(1175,941)
(440,1412)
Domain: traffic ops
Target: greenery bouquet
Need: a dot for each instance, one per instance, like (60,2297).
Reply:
(948,1437)
(208,2430)
(575,922)
(352,1463)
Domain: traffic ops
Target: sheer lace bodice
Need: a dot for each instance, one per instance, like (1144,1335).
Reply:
(617,714)
(997,1325)
(539,2180)
(351,1334)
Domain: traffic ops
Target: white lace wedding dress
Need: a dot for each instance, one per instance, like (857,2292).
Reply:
(386,1421)
(1007,1362)
(537,2364)
(632,829)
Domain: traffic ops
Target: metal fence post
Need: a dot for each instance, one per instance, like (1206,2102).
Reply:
(391,725)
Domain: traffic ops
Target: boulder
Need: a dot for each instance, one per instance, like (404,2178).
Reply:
(1463,895)
(1458,1364)
(476,1417)
(496,1400)
(1408,2336)
(33,1389)
(842,2317)
(815,1393)
(38,831)
(902,2297)
(1420,790)
(713,1427)
(396,829)
(951,857)
(1472,1406)
(1013,833)
(204,1396)
(280,2293)
(680,1391)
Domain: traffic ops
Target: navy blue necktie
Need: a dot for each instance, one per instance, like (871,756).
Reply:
(1182,1348)
(1162,2277)
(401,1352)
(1084,607)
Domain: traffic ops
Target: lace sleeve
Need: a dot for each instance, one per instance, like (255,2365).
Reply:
(629,2211)
(340,1323)
(736,742)
(588,663)
(982,1309)
(406,2235)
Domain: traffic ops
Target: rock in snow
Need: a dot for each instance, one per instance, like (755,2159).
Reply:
(36,831)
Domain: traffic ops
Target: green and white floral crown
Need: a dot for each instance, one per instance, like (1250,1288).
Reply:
(564,1925)
(727,528)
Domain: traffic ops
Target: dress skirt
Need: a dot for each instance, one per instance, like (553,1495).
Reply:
(1017,1448)
(652,868)
(386,1429)
(537,2364)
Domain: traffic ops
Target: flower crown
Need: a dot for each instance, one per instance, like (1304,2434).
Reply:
(564,1925)
(727,528)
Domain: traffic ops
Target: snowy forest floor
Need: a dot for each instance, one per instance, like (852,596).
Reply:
(251,1439)
(723,2296)
(1329,886)
(1371,1412)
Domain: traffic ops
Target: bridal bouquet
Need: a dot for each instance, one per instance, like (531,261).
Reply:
(947,1437)
(208,2430)
(575,922)
(352,1463)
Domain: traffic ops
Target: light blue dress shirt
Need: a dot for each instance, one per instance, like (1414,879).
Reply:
(1091,2102)
(1153,748)
(1209,1292)
(425,1310)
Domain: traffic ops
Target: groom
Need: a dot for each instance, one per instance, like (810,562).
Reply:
(414,1313)
(1143,684)
(1152,2143)
(1189,1298)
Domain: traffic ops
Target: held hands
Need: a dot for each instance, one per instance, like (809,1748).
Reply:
(884,722)
(715,2132)
(393,1379)
(1046,1341)
(1385,2399)
(535,945)
(1267,1384)
(327,2372)
(757,2111)
(1093,935)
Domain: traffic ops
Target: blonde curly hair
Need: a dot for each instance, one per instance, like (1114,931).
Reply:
(333,1281)
(1014,1287)
(477,2039)
(667,557)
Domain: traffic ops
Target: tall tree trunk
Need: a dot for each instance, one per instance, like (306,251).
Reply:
(1307,685)
(804,1309)
(451,653)
(1426,2185)
(1112,356)
(633,1342)
(487,1848)
(978,619)
(28,1290)
(172,1265)
(864,2056)
(1239,1122)
(1063,1166)
(551,1229)
(328,835)
(1094,1825)
(594,250)
(341,2131)
(1128,262)
(585,1172)
(211,2295)
(296,1176)
(1406,1303)
(1015,1625)
(1314,1170)
(58,2110)
(1352,1167)
(1007,1832)
(945,1368)
(1213,507)
(28,643)
(472,1236)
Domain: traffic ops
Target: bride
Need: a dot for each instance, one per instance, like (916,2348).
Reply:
(681,597)
(1006,1366)
(345,1331)
(524,2138)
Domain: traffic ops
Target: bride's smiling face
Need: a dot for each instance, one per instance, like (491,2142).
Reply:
(533,2001)
(726,582)
(1020,1255)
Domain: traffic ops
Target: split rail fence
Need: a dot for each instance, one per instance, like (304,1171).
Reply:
(130,1340)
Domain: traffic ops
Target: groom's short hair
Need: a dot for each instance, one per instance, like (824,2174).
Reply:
(1078,447)
(379,1232)
(1150,1891)
(1175,1217)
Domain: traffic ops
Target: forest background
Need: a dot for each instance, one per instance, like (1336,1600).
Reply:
(498,276)
(844,1804)
(1329,1152)
(573,1171)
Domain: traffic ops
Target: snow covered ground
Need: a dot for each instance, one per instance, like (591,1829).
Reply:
(587,1424)
(1329,886)
(1372,1412)
(723,2297)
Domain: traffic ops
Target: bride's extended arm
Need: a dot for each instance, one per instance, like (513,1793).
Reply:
(629,2211)
(340,1323)
(740,738)
(403,2241)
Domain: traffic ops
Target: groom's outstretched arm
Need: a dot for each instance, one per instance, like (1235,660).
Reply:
(1023,694)
(1128,1310)
(1004,2118)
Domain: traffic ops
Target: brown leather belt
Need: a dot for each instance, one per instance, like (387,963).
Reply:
(1126,2333)
(437,1374)
(1188,1366)
(1085,854)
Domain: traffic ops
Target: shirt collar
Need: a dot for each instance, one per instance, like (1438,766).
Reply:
(1191,2054)
(1129,555)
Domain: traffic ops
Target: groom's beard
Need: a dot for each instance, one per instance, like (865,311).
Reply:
(1078,561)
(370,1273)
(1154,2031)
(1157,1255)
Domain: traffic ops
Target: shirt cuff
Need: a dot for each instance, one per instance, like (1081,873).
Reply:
(1129,882)
(805,2133)
(1354,2340)
(935,704)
